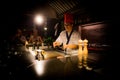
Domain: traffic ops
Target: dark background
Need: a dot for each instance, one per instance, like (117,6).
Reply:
(19,14)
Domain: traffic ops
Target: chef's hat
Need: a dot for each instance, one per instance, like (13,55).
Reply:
(68,18)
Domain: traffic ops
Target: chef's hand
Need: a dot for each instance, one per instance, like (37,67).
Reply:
(56,44)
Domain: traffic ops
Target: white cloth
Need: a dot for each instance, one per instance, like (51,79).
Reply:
(75,37)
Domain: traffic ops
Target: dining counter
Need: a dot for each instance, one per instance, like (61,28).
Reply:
(22,64)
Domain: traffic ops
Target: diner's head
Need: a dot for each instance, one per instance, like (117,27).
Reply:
(19,32)
(35,31)
(68,21)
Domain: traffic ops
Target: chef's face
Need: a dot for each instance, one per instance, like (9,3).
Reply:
(68,26)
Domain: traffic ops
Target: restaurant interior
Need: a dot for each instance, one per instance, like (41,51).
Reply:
(94,20)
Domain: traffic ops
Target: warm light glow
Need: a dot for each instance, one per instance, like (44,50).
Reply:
(38,19)
(45,28)
(39,67)
(80,41)
(32,51)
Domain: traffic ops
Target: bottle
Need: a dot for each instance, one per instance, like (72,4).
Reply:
(80,53)
(85,55)
(85,52)
(40,55)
